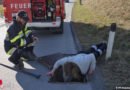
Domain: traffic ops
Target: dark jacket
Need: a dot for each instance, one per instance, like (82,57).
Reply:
(17,36)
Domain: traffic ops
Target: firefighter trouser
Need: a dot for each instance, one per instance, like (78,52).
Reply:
(20,54)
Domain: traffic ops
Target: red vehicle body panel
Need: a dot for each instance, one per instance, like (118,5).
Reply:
(30,6)
(13,6)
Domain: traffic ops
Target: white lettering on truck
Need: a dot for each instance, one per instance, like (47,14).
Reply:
(16,5)
(24,5)
(29,5)
(11,5)
(21,5)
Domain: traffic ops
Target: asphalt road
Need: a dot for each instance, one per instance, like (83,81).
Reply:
(49,43)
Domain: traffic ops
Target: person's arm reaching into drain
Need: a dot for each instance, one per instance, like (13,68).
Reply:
(56,65)
(92,67)
(51,73)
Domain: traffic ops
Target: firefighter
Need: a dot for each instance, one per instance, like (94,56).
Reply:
(19,41)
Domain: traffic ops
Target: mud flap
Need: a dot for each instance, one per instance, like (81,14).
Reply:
(50,60)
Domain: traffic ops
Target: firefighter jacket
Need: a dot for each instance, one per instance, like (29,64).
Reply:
(17,36)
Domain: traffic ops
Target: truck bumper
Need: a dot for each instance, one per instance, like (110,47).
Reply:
(45,24)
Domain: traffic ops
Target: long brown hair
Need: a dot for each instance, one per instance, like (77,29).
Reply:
(73,71)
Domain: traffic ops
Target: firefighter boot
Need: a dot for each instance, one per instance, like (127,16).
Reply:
(19,65)
(103,46)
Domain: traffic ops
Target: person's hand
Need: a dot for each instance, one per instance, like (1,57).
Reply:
(35,38)
(90,71)
(49,73)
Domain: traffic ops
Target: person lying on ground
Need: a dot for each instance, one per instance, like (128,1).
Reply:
(77,67)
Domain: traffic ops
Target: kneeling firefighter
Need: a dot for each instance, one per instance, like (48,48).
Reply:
(19,41)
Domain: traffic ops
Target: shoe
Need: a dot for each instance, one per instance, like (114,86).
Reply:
(94,47)
(103,46)
(98,45)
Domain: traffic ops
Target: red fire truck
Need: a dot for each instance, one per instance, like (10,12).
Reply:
(42,13)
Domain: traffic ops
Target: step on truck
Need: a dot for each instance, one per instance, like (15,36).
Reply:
(42,13)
